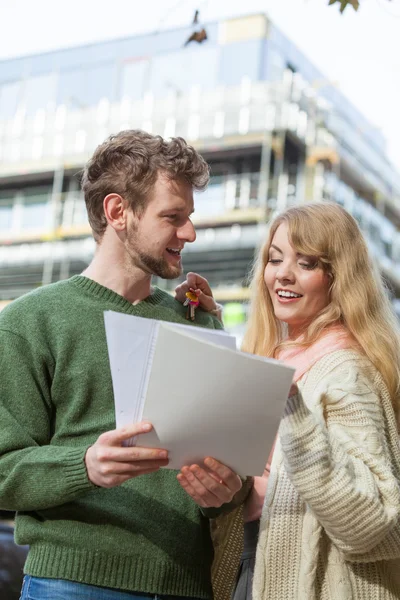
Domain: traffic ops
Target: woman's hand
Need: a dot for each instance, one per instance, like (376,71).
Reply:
(211,487)
(200,286)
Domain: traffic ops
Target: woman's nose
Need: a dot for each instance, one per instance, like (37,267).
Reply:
(285,273)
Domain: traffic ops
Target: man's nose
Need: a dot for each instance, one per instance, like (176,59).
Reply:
(187,232)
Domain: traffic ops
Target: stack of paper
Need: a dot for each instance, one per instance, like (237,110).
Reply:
(203,397)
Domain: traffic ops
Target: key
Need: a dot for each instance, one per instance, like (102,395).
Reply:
(192,303)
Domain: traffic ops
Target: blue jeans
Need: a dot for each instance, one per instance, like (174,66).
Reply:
(39,588)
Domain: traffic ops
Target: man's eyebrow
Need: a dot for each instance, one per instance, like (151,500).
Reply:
(175,209)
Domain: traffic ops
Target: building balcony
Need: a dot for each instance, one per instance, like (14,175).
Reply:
(230,217)
(36,214)
(209,119)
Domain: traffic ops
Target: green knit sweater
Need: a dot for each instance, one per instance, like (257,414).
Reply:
(56,398)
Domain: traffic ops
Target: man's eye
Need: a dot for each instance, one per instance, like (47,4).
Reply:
(171,216)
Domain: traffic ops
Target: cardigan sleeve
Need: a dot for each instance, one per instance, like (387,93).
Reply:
(339,460)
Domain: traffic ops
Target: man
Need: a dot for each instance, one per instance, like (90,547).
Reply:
(103,520)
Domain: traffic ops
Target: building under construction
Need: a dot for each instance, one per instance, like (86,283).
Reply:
(275,131)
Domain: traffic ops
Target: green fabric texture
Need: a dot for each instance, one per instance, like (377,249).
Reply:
(56,398)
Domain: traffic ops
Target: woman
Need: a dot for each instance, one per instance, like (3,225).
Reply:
(330,522)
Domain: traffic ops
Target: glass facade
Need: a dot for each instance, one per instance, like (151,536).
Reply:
(109,70)
(227,94)
(157,62)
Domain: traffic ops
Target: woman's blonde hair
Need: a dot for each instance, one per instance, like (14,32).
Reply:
(358,298)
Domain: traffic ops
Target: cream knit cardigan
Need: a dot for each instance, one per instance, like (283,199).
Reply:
(330,527)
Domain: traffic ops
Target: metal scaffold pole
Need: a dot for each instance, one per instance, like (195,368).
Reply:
(264,172)
(58,181)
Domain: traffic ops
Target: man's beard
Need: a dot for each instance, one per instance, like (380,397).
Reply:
(159,266)
(152,265)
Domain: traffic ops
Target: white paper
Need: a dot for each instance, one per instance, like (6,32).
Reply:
(203,399)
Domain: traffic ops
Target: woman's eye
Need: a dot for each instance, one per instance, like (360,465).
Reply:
(308,266)
(274,261)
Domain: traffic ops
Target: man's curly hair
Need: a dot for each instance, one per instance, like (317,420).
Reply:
(128,164)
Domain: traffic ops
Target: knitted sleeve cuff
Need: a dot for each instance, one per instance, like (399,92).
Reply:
(76,475)
(69,481)
(296,413)
(297,425)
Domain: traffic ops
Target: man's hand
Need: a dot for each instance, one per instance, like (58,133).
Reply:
(210,488)
(200,287)
(109,464)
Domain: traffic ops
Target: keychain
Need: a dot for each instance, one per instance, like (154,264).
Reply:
(192,303)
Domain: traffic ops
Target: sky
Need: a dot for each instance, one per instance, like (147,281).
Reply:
(359,52)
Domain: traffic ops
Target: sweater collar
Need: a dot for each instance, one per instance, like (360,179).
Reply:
(108,295)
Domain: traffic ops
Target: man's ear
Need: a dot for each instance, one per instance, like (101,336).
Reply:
(115,210)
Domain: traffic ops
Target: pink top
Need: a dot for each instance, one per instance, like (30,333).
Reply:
(302,359)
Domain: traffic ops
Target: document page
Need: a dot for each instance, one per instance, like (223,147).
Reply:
(203,398)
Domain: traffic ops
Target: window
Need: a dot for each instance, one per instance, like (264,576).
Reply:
(70,58)
(179,71)
(9,99)
(12,70)
(79,88)
(99,84)
(74,210)
(6,213)
(275,64)
(211,202)
(70,88)
(79,214)
(36,208)
(133,79)
(42,63)
(40,93)
(239,60)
